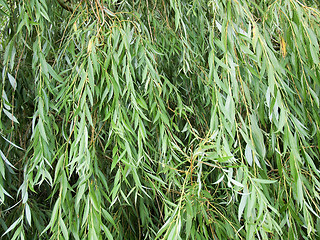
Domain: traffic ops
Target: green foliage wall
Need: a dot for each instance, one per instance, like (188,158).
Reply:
(162,119)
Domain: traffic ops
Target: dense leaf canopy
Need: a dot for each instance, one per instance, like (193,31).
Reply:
(162,119)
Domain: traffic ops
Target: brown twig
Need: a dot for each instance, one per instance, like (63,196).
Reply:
(65,6)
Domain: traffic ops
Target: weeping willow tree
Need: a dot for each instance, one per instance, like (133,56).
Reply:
(180,119)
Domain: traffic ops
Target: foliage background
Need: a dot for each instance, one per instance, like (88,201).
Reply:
(165,119)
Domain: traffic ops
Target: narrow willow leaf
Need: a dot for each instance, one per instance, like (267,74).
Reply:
(42,130)
(163,228)
(94,200)
(243,203)
(248,154)
(6,101)
(63,228)
(264,181)
(173,233)
(80,193)
(58,167)
(219,180)
(54,214)
(54,74)
(315,97)
(10,116)
(4,192)
(108,217)
(107,232)
(12,226)
(314,55)
(28,214)
(6,160)
(156,179)
(11,143)
(109,12)
(299,192)
(13,81)
(86,212)
(189,219)
(17,233)
(2,169)
(236,182)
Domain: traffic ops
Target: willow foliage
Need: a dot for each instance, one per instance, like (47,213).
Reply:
(163,119)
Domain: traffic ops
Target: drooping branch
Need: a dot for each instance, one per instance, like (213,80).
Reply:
(65,6)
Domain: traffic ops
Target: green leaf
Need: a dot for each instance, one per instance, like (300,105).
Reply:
(248,154)
(42,131)
(242,204)
(63,228)
(264,181)
(28,214)
(54,213)
(12,81)
(6,160)
(10,116)
(107,232)
(12,226)
(299,191)
(12,143)
(236,182)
